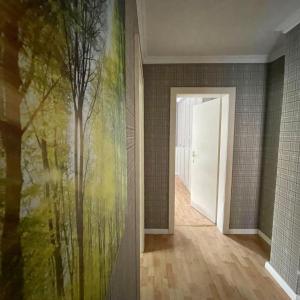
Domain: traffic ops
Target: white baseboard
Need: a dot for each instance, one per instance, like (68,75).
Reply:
(281,282)
(156,231)
(264,237)
(250,231)
(242,231)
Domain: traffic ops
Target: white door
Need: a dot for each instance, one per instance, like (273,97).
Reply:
(205,157)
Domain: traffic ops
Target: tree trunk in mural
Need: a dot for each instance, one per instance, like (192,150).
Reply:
(78,166)
(12,261)
(80,203)
(14,91)
(57,254)
(81,35)
(54,230)
(78,162)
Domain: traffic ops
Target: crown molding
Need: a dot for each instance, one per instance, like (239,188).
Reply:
(205,59)
(278,51)
(292,21)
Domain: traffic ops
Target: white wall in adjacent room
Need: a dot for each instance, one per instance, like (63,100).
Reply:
(184,121)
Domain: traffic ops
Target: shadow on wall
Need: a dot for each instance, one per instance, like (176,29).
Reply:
(274,96)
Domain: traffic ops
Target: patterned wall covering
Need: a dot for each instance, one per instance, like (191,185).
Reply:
(275,79)
(250,82)
(63,154)
(285,252)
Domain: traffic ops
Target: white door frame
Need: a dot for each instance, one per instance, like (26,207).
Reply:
(226,150)
(139,141)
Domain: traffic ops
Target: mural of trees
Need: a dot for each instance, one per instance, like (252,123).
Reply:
(63,185)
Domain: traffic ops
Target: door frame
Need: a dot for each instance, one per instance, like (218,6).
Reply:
(139,144)
(225,150)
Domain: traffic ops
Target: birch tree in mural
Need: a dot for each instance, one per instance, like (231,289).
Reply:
(62,147)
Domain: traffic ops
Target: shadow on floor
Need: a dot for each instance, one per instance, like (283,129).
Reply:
(253,243)
(158,242)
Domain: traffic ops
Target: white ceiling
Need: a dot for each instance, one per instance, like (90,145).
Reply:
(193,29)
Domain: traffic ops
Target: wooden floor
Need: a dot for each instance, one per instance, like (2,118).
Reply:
(198,262)
(185,214)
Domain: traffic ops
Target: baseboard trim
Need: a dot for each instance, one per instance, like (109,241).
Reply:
(264,237)
(156,231)
(251,231)
(281,282)
(242,231)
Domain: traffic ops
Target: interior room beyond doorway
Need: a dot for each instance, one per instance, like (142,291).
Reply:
(198,123)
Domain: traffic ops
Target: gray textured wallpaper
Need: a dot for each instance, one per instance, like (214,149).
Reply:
(274,97)
(250,81)
(285,251)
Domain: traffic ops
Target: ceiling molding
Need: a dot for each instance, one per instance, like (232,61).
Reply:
(206,59)
(279,51)
(292,21)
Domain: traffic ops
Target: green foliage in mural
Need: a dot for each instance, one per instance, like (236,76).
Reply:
(63,185)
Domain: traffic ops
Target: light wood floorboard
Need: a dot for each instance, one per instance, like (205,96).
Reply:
(185,214)
(198,262)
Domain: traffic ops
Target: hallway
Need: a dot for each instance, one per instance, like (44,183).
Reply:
(198,262)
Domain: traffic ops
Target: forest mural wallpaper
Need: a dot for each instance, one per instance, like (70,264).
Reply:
(63,182)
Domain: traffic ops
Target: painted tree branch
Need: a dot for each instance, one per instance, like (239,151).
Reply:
(39,107)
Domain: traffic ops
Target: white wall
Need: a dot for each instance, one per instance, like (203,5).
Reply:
(184,123)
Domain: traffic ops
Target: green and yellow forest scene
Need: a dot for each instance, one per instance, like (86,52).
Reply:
(63,184)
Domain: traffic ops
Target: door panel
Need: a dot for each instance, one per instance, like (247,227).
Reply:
(205,157)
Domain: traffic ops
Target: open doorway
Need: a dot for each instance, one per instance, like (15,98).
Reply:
(196,160)
(201,150)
